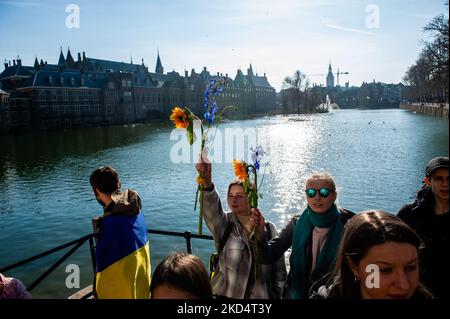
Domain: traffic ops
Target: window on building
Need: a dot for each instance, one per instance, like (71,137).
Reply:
(111,85)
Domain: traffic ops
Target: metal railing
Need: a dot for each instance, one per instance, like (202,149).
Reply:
(76,244)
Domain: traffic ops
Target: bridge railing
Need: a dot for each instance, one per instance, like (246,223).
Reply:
(77,243)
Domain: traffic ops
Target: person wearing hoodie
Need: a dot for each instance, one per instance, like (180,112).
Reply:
(429,216)
(122,252)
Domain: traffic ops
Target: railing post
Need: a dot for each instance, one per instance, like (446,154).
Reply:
(91,248)
(188,237)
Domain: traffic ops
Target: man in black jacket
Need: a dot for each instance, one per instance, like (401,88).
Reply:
(429,216)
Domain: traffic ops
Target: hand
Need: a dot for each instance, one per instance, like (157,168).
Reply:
(203,167)
(257,220)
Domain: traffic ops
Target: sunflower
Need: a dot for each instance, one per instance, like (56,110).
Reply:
(200,180)
(240,170)
(179,118)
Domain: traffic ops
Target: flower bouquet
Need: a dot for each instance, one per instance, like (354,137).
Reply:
(184,118)
(248,174)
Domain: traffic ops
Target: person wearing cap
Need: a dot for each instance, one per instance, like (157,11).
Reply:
(429,216)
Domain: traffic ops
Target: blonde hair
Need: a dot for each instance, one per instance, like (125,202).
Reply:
(324,176)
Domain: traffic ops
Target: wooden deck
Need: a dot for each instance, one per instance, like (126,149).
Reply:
(81,293)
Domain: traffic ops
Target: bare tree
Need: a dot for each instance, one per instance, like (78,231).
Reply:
(296,88)
(429,77)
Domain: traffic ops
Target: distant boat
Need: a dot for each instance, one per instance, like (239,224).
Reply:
(327,106)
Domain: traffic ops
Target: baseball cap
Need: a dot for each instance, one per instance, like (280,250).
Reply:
(435,163)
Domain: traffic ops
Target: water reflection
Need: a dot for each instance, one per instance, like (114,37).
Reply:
(46,198)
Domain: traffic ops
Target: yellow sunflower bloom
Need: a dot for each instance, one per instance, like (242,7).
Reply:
(200,180)
(240,170)
(179,118)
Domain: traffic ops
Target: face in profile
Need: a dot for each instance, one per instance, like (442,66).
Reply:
(318,203)
(398,271)
(439,183)
(238,201)
(165,291)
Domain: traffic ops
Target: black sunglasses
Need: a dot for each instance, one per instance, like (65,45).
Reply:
(323,192)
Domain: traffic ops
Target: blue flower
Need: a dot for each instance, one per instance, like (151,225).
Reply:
(257,154)
(209,117)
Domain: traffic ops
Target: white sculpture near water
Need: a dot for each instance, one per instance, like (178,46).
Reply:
(327,106)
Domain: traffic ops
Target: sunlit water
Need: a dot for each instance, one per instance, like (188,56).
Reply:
(377,158)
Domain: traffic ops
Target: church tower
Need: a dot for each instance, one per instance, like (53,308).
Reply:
(330,78)
(159,68)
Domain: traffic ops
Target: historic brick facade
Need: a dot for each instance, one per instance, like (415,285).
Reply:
(92,91)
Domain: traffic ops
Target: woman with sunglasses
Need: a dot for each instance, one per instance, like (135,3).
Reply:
(313,235)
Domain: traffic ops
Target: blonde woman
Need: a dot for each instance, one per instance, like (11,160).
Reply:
(313,235)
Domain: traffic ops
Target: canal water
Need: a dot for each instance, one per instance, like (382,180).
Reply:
(376,156)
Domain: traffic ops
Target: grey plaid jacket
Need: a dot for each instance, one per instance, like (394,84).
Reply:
(234,278)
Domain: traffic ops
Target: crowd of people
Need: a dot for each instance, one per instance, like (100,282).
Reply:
(335,253)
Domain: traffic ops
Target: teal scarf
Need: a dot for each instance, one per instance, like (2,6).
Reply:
(302,233)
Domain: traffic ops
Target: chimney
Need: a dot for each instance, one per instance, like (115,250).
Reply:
(186,74)
(19,61)
(79,57)
(6,64)
(45,62)
(9,62)
(265,75)
(42,62)
(84,57)
(217,73)
(14,62)
(226,75)
(204,68)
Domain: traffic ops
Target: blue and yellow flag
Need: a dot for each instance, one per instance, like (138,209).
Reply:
(123,258)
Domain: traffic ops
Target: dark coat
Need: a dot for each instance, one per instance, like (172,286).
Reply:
(434,231)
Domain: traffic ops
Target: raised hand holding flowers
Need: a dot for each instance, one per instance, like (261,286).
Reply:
(184,118)
(247,173)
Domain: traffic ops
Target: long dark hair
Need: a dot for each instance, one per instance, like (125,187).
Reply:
(363,231)
(183,271)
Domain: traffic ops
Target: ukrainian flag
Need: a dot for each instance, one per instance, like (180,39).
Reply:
(123,258)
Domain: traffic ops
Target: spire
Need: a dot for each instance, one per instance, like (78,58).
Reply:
(61,60)
(36,62)
(250,70)
(131,59)
(159,68)
(69,59)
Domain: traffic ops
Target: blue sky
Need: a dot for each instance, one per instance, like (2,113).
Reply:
(277,37)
